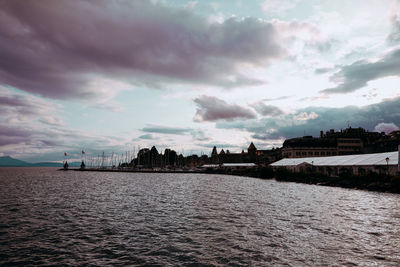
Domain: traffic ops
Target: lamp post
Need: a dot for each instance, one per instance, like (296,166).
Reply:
(387,165)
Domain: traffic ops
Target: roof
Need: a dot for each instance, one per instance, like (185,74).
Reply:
(348,160)
(228,165)
(252,147)
(309,141)
(214,151)
(209,166)
(238,165)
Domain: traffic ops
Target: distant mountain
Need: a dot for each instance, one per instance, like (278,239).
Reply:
(8,161)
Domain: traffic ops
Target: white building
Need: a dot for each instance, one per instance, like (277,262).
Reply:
(382,163)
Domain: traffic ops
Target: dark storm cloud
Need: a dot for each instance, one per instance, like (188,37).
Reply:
(213,109)
(30,129)
(14,101)
(16,107)
(35,143)
(355,76)
(267,110)
(20,104)
(320,118)
(58,48)
(11,135)
(23,134)
(7,140)
(29,126)
(166,130)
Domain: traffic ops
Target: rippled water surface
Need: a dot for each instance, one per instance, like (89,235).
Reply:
(50,217)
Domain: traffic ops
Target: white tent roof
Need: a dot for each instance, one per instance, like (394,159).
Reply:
(210,166)
(348,160)
(229,165)
(238,165)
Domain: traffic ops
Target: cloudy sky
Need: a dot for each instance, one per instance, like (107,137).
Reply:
(111,76)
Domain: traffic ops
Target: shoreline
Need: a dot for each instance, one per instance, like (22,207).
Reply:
(372,182)
(132,170)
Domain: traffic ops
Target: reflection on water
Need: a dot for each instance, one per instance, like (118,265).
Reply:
(53,217)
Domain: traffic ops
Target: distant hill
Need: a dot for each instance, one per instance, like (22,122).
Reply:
(8,161)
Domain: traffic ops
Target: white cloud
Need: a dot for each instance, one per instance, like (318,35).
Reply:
(386,127)
(278,7)
(304,116)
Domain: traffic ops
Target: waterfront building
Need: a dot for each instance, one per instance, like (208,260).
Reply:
(309,146)
(361,164)
(231,166)
(253,155)
(344,142)
(269,155)
(385,143)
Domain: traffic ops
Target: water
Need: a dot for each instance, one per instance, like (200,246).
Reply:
(50,217)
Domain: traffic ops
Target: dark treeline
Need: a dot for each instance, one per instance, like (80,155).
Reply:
(170,159)
(151,158)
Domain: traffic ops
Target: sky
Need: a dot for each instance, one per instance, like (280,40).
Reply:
(116,76)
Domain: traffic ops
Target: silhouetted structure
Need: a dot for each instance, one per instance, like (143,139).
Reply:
(253,155)
(66,165)
(150,158)
(346,142)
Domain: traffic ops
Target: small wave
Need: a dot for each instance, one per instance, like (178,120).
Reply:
(151,219)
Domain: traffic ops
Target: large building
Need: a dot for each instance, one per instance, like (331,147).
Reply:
(361,164)
(344,142)
(253,155)
(309,146)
